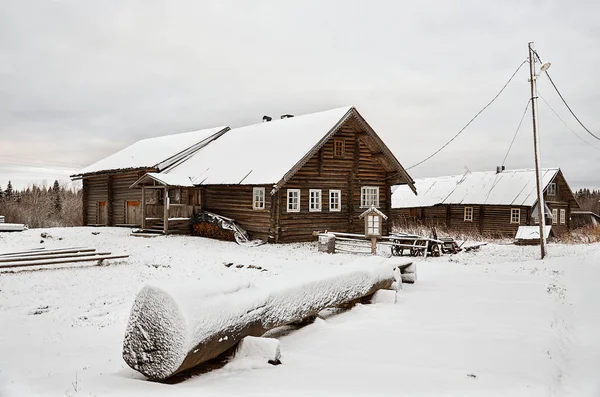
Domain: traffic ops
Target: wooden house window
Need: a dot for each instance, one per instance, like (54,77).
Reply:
(515,215)
(258,198)
(293,200)
(314,200)
(339,147)
(335,200)
(175,196)
(468,214)
(563,216)
(552,189)
(554,216)
(369,196)
(373,222)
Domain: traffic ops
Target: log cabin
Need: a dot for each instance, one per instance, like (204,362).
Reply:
(487,203)
(107,198)
(280,180)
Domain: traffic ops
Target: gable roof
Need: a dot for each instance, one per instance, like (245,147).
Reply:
(154,153)
(164,179)
(271,152)
(509,187)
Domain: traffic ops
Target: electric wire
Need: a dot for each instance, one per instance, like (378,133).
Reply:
(564,101)
(516,132)
(470,121)
(565,124)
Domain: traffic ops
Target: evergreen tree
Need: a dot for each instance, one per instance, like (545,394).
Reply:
(8,193)
(56,197)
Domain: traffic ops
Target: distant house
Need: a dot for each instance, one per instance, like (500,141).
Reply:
(280,180)
(584,218)
(494,203)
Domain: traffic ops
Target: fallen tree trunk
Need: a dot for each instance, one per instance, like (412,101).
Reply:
(174,329)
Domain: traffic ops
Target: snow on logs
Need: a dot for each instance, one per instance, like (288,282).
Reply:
(172,329)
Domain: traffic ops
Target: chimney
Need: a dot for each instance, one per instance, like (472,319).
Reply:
(500,168)
(287,116)
(267,118)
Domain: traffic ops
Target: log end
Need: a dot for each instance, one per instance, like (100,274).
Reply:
(155,343)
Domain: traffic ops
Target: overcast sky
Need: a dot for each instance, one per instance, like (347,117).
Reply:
(80,80)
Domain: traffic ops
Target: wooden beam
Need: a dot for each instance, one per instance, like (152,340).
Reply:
(59,261)
(110,221)
(143,207)
(52,256)
(166,211)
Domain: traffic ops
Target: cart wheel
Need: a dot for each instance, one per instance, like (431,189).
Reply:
(396,251)
(435,250)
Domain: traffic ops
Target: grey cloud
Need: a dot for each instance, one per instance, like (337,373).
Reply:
(81,79)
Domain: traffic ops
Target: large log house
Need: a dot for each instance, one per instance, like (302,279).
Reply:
(491,203)
(280,180)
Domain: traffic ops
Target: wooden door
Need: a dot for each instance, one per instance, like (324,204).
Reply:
(134,213)
(102,213)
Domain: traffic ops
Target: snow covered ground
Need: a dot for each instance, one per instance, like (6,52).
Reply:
(493,322)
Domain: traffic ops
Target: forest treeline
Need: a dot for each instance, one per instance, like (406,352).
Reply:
(42,206)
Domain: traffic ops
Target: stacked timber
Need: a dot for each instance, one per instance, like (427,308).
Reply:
(44,257)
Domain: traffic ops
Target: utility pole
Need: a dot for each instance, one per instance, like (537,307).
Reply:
(538,176)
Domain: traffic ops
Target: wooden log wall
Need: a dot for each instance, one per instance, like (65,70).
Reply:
(97,190)
(235,201)
(121,194)
(357,167)
(114,190)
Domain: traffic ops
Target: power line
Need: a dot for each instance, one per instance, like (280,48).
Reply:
(470,121)
(565,124)
(565,102)
(517,131)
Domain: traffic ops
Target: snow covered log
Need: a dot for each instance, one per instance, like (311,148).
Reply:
(175,328)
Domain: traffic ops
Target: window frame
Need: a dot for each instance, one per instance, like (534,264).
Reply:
(319,194)
(342,142)
(363,190)
(551,189)
(373,221)
(563,216)
(339,202)
(516,211)
(555,216)
(470,217)
(289,191)
(260,190)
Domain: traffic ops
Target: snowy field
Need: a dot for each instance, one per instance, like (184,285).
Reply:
(496,322)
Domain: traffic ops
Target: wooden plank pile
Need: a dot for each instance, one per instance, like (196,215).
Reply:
(43,257)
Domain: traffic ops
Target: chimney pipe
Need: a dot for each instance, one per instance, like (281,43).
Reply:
(267,118)
(287,116)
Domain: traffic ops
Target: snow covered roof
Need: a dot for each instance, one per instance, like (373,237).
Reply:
(240,156)
(509,187)
(165,179)
(158,153)
(269,152)
(531,232)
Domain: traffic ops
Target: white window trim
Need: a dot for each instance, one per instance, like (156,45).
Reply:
(468,219)
(320,201)
(339,203)
(363,190)
(552,189)
(563,216)
(554,216)
(256,190)
(515,211)
(288,200)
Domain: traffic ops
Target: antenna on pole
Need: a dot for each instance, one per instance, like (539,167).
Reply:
(538,176)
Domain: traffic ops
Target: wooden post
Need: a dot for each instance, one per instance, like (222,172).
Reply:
(448,216)
(373,245)
(110,202)
(143,207)
(481,210)
(166,211)
(85,195)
